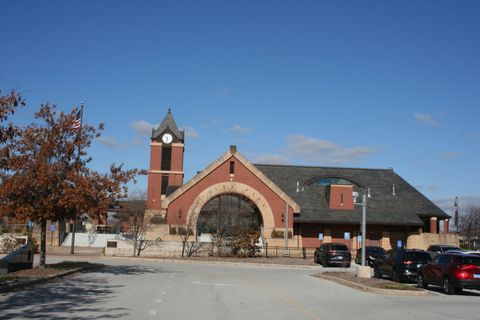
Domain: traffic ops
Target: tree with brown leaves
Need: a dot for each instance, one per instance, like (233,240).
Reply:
(46,180)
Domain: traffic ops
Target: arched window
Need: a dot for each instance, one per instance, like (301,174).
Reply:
(229,211)
(326,181)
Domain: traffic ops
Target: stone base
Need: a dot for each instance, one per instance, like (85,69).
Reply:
(363,272)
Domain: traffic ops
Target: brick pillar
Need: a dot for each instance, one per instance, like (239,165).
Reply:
(433,225)
(445,226)
(385,242)
(327,236)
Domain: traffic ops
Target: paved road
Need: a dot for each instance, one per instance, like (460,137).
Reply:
(130,289)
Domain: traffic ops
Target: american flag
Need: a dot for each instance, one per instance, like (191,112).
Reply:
(77,122)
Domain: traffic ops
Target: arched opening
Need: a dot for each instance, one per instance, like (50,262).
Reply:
(228,211)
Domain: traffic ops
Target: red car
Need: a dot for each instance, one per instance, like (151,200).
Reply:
(452,271)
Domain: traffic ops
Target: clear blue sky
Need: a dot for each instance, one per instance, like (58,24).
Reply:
(341,83)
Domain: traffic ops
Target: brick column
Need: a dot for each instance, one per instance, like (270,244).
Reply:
(433,225)
(445,226)
(327,236)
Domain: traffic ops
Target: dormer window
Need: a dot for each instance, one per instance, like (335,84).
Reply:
(326,181)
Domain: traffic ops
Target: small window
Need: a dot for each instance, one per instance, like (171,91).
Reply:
(232,167)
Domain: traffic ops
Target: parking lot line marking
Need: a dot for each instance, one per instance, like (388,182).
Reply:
(153,312)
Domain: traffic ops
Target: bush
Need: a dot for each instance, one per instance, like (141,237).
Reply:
(183,231)
(173,230)
(280,234)
(157,219)
(242,242)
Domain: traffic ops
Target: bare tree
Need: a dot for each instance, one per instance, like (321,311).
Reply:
(469,223)
(132,213)
(190,243)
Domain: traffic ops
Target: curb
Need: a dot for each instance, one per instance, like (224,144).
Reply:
(13,284)
(186,260)
(232,263)
(365,288)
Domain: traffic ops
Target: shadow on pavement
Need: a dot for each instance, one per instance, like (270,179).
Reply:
(71,297)
(128,270)
(68,298)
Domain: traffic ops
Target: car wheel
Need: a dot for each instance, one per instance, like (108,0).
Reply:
(395,276)
(357,261)
(376,272)
(324,263)
(347,265)
(315,260)
(421,282)
(447,286)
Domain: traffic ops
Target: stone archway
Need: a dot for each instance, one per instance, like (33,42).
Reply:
(232,188)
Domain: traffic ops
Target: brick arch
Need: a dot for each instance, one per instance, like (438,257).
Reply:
(235,188)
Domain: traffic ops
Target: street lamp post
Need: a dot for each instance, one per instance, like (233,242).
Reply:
(364,227)
(362,271)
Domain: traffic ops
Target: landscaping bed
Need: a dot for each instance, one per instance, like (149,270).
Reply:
(18,278)
(371,284)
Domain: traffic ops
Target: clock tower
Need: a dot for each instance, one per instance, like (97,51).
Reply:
(166,164)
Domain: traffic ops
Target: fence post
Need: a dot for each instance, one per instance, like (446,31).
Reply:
(266,249)
(304,251)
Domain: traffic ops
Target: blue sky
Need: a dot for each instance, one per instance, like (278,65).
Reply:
(370,84)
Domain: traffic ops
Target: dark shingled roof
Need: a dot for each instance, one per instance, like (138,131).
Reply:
(406,207)
(168,123)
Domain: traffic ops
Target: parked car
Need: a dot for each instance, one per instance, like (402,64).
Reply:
(452,271)
(333,254)
(436,249)
(401,265)
(372,254)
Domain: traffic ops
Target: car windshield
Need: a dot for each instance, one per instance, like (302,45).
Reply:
(475,260)
(339,247)
(418,256)
(445,249)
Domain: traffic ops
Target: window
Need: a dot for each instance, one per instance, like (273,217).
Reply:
(232,167)
(326,181)
(166,158)
(164,184)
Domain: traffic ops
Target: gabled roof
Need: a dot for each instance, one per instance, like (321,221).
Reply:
(406,207)
(169,124)
(225,157)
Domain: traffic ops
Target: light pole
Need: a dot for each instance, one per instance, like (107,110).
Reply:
(364,223)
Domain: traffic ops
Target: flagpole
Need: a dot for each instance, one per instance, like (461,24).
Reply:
(79,133)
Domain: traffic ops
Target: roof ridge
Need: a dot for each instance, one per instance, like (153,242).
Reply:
(321,167)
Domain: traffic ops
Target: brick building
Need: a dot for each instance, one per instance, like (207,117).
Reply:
(314,203)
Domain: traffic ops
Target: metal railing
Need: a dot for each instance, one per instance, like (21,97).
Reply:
(294,252)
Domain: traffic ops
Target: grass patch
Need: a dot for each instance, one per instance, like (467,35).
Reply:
(5,277)
(67,265)
(399,286)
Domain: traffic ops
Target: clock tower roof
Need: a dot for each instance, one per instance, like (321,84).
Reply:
(168,124)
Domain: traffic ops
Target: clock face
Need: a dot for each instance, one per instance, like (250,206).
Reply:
(167,138)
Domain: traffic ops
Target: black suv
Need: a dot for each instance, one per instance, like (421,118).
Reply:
(436,249)
(333,254)
(401,265)
(372,254)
